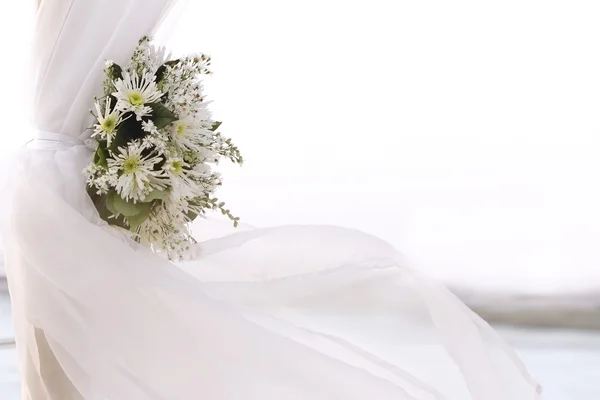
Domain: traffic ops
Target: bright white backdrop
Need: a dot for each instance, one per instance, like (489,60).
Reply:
(464,132)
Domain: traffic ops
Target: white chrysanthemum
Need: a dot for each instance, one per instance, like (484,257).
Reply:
(180,175)
(134,92)
(136,175)
(190,135)
(108,122)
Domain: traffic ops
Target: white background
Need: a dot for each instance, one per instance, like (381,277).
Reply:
(463,132)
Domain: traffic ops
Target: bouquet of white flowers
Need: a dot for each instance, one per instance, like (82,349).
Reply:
(155,145)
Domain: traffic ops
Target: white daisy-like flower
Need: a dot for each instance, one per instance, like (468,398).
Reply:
(108,122)
(134,92)
(136,172)
(179,173)
(189,134)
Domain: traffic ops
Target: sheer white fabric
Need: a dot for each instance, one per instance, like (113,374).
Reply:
(295,312)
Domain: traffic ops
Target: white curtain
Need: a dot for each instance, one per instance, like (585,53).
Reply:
(15,35)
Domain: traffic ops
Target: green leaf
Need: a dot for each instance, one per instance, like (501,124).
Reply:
(101,156)
(113,102)
(116,71)
(160,73)
(156,195)
(122,206)
(103,209)
(172,63)
(100,203)
(161,115)
(129,130)
(191,215)
(144,212)
(216,126)
(108,203)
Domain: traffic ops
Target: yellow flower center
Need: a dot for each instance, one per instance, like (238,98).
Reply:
(130,165)
(177,167)
(109,125)
(136,99)
(180,129)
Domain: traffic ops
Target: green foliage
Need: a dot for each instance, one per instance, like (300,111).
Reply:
(191,216)
(160,73)
(100,201)
(156,195)
(119,212)
(229,150)
(113,101)
(161,115)
(119,206)
(101,155)
(217,205)
(216,126)
(115,71)
(130,129)
(108,202)
(144,210)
